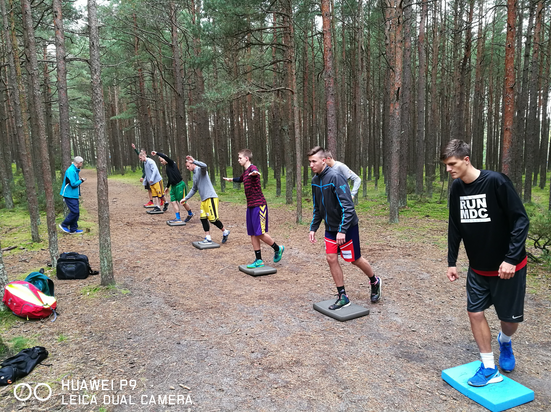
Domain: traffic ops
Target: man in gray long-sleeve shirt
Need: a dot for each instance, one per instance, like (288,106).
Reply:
(345,171)
(155,181)
(209,198)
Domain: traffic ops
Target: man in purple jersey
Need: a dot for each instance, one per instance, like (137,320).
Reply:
(257,209)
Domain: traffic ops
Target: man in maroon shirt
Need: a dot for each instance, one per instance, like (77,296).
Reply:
(257,209)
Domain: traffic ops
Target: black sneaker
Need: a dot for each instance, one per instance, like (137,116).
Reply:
(188,218)
(165,207)
(341,302)
(376,290)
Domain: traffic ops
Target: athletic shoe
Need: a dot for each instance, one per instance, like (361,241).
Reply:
(484,376)
(506,357)
(64,229)
(376,290)
(76,232)
(278,254)
(149,204)
(188,218)
(156,209)
(256,264)
(341,302)
(225,235)
(174,221)
(165,208)
(206,241)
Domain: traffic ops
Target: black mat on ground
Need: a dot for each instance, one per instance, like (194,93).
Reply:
(181,223)
(202,246)
(343,314)
(155,212)
(266,270)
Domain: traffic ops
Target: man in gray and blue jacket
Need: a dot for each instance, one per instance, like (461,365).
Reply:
(70,190)
(333,204)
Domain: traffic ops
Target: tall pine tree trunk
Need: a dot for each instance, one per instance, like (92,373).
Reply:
(34,73)
(21,128)
(509,87)
(329,77)
(105,255)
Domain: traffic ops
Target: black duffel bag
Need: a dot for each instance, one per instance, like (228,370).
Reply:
(73,265)
(21,365)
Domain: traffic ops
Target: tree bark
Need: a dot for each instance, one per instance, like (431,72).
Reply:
(105,254)
(393,13)
(62,97)
(329,77)
(532,140)
(21,128)
(421,103)
(509,87)
(34,73)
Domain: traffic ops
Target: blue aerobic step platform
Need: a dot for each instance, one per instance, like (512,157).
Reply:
(494,396)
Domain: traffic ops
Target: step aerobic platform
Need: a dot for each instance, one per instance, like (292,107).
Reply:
(265,270)
(171,223)
(495,396)
(154,212)
(352,311)
(202,246)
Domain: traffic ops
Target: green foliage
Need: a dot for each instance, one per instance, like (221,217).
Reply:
(94,291)
(8,319)
(18,343)
(62,337)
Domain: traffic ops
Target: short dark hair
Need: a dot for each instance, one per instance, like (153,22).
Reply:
(455,148)
(316,150)
(246,153)
(328,154)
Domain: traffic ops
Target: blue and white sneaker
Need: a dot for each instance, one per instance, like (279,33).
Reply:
(225,235)
(64,229)
(484,376)
(206,241)
(506,357)
(76,232)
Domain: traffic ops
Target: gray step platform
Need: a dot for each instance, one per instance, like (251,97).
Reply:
(155,212)
(201,246)
(343,314)
(265,270)
(181,223)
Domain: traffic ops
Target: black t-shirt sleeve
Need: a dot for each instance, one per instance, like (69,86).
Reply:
(518,221)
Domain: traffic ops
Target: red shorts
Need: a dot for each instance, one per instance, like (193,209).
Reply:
(350,250)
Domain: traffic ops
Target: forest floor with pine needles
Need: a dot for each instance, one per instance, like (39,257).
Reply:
(184,326)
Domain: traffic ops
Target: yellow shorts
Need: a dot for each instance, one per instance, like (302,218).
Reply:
(157,189)
(209,209)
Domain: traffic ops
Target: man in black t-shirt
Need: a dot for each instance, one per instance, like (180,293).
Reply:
(487,214)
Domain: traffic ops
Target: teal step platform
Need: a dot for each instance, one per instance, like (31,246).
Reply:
(494,396)
(202,246)
(352,311)
(265,270)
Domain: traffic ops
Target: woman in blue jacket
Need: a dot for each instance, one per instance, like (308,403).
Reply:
(70,190)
